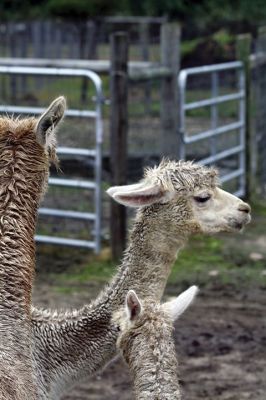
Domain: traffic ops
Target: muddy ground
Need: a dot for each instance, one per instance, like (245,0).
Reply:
(220,340)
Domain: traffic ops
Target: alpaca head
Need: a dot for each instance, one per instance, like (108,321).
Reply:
(27,146)
(140,318)
(185,193)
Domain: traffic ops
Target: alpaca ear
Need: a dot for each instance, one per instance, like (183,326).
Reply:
(138,195)
(177,306)
(50,119)
(133,305)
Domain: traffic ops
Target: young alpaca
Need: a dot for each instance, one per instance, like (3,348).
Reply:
(147,344)
(174,200)
(26,147)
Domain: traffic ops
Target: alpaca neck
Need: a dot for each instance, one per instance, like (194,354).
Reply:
(152,362)
(153,248)
(18,212)
(19,194)
(154,385)
(16,275)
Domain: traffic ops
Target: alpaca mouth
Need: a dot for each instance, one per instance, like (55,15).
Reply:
(237,225)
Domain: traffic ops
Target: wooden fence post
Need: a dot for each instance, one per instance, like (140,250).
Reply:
(259,119)
(118,135)
(170,58)
(243,52)
(144,35)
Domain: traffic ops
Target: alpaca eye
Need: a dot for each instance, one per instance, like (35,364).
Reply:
(202,199)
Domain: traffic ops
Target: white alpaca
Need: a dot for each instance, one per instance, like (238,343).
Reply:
(147,344)
(174,200)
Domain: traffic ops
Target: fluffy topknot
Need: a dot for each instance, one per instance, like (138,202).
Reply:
(182,175)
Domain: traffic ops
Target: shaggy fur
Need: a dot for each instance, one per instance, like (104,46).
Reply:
(148,349)
(71,346)
(147,345)
(24,166)
(183,177)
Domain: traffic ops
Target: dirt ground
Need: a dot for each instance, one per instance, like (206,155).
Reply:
(220,340)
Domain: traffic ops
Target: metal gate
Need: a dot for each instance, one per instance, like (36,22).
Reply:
(95,153)
(230,157)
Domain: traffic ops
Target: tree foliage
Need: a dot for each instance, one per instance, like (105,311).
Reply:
(199,15)
(82,9)
(16,9)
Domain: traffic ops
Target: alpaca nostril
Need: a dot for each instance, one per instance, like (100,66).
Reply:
(244,207)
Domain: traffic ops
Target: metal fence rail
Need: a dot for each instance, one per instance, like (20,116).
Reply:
(95,153)
(217,128)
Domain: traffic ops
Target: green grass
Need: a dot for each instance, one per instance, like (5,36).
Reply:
(95,273)
(201,255)
(227,109)
(188,46)
(99,271)
(205,266)
(65,290)
(223,37)
(259,207)
(52,87)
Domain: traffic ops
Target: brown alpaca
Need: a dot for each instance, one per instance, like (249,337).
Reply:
(26,147)
(174,200)
(147,345)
